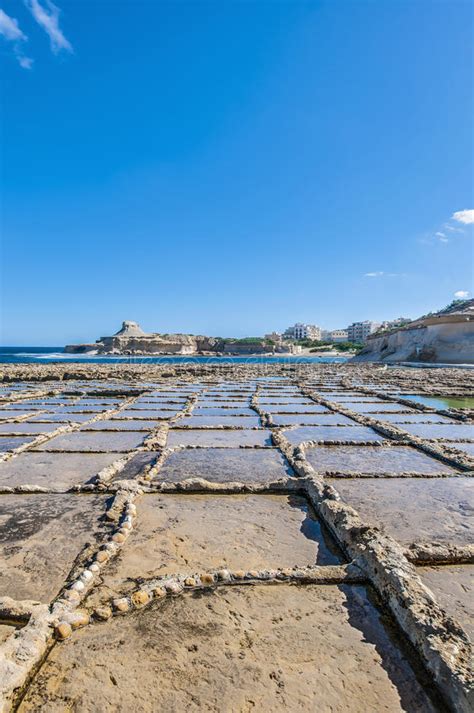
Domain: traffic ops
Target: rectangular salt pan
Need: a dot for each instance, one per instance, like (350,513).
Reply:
(227,421)
(392,460)
(226,465)
(186,533)
(401,418)
(453,588)
(221,438)
(221,411)
(316,419)
(373,408)
(94,442)
(9,443)
(414,509)
(157,415)
(332,433)
(283,408)
(55,471)
(446,432)
(40,539)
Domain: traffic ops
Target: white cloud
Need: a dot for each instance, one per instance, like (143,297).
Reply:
(446,232)
(25,62)
(48,19)
(464,216)
(461,294)
(10,29)
(381,273)
(452,229)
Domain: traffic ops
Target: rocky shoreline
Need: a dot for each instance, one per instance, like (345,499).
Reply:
(449,381)
(131,340)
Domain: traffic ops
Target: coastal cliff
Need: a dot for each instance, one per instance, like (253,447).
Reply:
(444,337)
(132,340)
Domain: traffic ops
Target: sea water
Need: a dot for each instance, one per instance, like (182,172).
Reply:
(32,355)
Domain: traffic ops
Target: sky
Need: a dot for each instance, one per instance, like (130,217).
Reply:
(230,168)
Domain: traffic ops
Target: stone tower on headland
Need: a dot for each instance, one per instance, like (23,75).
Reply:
(130,329)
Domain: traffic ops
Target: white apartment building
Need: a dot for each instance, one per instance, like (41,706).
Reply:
(359,331)
(303,331)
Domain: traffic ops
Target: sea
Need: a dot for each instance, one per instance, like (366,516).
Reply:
(42,355)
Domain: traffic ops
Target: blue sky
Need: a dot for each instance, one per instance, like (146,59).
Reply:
(230,168)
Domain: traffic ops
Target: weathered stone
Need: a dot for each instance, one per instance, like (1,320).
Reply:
(63,631)
(121,605)
(140,598)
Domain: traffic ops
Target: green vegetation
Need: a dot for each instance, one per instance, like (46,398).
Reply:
(321,345)
(399,325)
(249,340)
(349,346)
(453,304)
(256,341)
(307,343)
(244,340)
(449,308)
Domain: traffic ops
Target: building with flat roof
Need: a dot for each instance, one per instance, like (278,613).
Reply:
(303,331)
(359,331)
(339,335)
(334,335)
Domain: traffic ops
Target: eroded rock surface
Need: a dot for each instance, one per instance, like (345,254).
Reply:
(40,538)
(211,538)
(453,587)
(188,533)
(438,509)
(272,648)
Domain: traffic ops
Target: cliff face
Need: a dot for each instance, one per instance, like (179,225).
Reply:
(446,337)
(131,339)
(156,344)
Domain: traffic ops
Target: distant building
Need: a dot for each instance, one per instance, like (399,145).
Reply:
(275,337)
(339,335)
(359,331)
(394,323)
(303,331)
(334,335)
